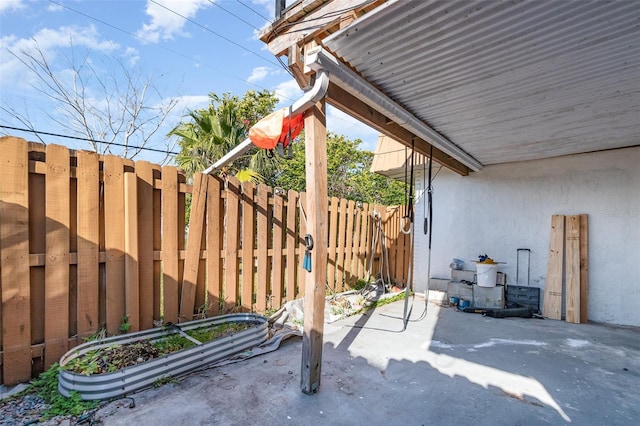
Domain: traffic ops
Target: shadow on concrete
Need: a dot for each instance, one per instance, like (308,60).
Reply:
(448,368)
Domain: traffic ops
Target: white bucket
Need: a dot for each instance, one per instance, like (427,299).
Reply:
(487,274)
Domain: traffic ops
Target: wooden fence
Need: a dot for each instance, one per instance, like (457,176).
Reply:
(91,242)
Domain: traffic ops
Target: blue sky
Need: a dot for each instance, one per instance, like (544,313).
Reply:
(218,52)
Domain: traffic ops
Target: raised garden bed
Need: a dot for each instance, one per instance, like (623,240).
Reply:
(119,365)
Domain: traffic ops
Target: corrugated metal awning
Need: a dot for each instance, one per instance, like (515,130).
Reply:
(507,81)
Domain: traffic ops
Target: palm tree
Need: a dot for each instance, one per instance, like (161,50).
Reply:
(210,133)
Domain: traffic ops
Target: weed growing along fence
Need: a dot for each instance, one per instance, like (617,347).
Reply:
(92,242)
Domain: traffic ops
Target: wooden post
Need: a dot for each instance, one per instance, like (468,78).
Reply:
(317,220)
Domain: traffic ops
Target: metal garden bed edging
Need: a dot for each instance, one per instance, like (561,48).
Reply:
(136,377)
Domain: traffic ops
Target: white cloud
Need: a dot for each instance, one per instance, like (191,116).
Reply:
(7,6)
(189,103)
(54,7)
(258,74)
(288,92)
(164,23)
(131,55)
(48,41)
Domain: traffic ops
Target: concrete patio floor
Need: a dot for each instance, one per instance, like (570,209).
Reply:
(448,368)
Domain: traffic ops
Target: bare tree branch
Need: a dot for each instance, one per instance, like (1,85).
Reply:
(99,100)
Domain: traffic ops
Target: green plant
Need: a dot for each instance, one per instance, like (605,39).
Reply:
(381,302)
(124,325)
(360,284)
(164,380)
(98,335)
(46,386)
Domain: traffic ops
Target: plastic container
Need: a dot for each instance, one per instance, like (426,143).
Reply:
(487,274)
(464,304)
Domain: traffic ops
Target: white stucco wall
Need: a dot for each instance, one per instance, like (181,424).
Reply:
(509,206)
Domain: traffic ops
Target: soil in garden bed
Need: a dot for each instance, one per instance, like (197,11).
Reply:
(116,357)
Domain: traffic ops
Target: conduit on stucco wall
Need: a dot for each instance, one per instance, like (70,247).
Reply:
(509,206)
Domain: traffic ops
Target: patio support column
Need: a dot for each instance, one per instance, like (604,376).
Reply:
(317,225)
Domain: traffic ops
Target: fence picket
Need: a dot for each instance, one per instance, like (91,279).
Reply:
(170,267)
(277,259)
(88,212)
(263,245)
(192,262)
(114,241)
(342,233)
(56,326)
(14,265)
(214,245)
(333,235)
(131,249)
(292,243)
(348,252)
(231,245)
(248,242)
(146,225)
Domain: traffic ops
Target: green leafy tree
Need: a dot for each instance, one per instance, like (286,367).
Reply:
(210,133)
(348,172)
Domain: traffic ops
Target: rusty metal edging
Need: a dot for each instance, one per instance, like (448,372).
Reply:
(131,379)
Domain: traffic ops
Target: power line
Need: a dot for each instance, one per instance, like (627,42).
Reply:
(215,3)
(175,52)
(88,140)
(254,11)
(213,32)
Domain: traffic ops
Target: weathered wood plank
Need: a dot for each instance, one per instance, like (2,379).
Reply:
(333,242)
(157,247)
(37,244)
(317,221)
(146,225)
(263,245)
(584,268)
(302,223)
(348,251)
(192,262)
(572,268)
(231,246)
(214,245)
(88,241)
(278,233)
(292,243)
(342,234)
(131,278)
(56,326)
(364,232)
(552,306)
(14,261)
(248,241)
(114,241)
(356,245)
(170,268)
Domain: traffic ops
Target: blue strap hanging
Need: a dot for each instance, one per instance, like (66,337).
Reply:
(308,242)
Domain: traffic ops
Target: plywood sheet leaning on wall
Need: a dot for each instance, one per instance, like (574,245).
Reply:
(552,307)
(584,267)
(572,268)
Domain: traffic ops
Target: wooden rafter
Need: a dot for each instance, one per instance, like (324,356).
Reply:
(349,104)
